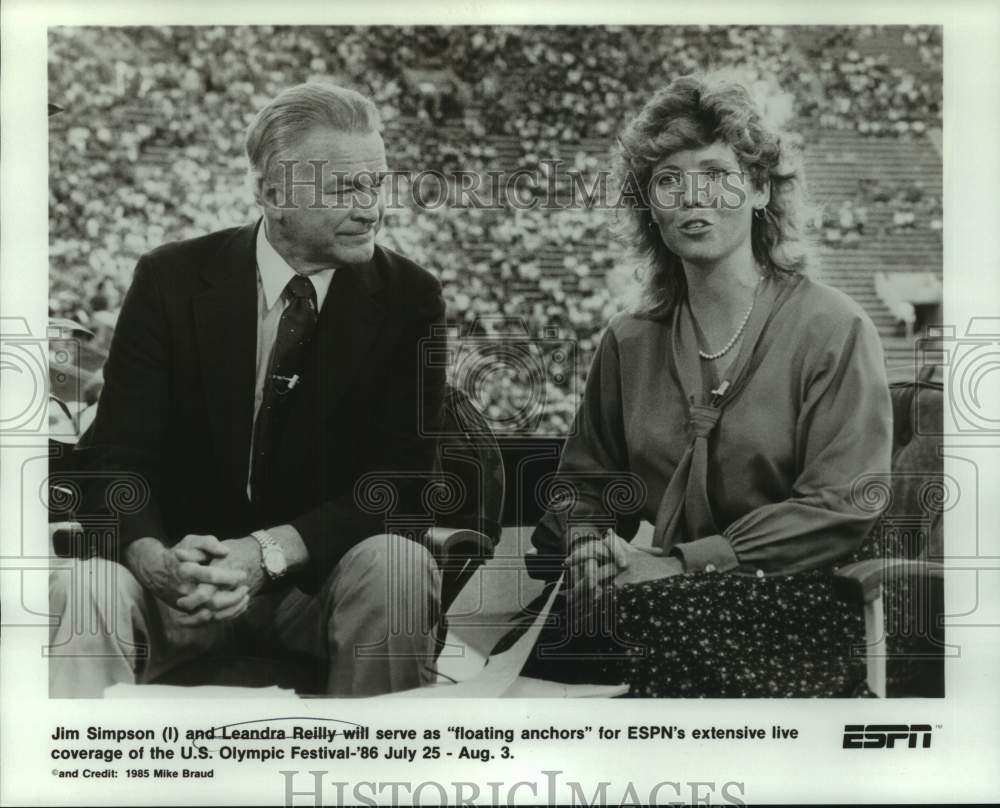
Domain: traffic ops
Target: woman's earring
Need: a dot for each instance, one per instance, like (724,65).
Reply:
(759,213)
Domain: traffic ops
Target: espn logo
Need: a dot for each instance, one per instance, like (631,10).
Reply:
(885,736)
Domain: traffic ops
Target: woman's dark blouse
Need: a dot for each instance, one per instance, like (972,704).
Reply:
(792,452)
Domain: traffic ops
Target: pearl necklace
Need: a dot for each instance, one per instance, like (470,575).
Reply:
(739,331)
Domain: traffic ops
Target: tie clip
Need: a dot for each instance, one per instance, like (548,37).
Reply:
(290,381)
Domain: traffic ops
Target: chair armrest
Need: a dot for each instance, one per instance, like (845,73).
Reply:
(63,536)
(862,581)
(452,544)
(545,567)
(459,552)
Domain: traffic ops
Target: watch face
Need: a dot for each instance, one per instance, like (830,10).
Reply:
(274,562)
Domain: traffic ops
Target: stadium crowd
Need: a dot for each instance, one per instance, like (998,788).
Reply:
(870,94)
(149,150)
(881,209)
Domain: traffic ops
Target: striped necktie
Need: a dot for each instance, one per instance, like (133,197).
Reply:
(295,333)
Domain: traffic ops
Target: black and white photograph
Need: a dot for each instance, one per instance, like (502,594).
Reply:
(509,361)
(479,182)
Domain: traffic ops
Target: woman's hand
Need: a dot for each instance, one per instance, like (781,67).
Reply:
(598,562)
(593,564)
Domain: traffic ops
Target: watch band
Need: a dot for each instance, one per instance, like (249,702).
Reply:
(269,545)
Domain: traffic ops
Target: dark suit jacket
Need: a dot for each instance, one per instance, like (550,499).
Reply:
(177,404)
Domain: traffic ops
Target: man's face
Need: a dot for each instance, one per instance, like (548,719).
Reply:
(331,212)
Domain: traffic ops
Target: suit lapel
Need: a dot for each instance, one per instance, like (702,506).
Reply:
(226,323)
(349,326)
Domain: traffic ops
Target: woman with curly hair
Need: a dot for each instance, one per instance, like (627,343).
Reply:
(741,401)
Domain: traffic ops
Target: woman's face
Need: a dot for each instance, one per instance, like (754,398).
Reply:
(702,201)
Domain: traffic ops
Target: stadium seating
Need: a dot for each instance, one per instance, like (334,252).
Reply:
(148,150)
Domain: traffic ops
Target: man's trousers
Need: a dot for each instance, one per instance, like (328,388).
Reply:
(375,620)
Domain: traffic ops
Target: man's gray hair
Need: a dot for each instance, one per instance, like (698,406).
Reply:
(296,110)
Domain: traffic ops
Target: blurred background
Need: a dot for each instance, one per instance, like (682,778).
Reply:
(148,149)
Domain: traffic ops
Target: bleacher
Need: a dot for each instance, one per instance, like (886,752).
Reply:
(835,161)
(173,107)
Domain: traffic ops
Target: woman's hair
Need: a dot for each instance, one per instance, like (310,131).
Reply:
(693,112)
(290,115)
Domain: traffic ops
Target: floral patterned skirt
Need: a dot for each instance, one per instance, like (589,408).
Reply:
(732,636)
(712,636)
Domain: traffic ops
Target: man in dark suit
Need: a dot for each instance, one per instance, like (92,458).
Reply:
(258,377)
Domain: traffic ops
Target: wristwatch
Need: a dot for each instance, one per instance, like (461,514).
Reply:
(272,557)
